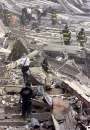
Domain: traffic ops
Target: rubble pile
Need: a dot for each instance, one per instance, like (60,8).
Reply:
(60,106)
(15,77)
(9,100)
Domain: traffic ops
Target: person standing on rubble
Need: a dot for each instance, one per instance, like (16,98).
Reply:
(81,37)
(26,95)
(24,17)
(6,36)
(45,64)
(29,13)
(66,35)
(39,14)
(25,64)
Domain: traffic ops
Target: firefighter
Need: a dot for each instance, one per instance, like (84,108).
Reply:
(81,37)
(66,35)
(54,18)
(26,95)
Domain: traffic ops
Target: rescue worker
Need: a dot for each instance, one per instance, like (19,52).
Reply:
(66,35)
(24,17)
(25,63)
(23,20)
(5,44)
(24,11)
(54,18)
(29,13)
(26,95)
(45,64)
(81,37)
(39,14)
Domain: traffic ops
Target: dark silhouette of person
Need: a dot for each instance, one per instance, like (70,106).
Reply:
(45,64)
(26,95)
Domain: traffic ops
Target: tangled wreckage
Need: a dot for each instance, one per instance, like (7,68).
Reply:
(62,95)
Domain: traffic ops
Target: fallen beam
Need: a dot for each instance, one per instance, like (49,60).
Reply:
(17,62)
